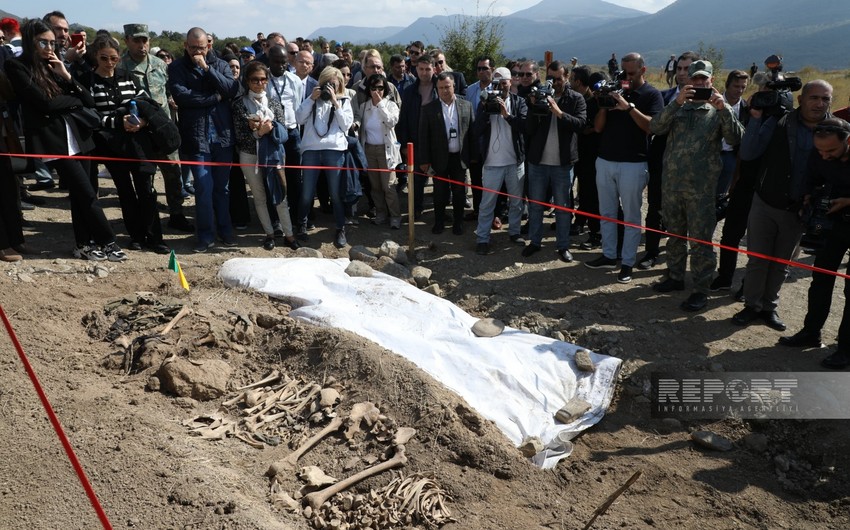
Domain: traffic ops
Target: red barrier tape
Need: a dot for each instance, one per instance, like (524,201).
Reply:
(499,192)
(69,450)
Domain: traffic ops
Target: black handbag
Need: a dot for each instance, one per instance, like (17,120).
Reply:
(87,119)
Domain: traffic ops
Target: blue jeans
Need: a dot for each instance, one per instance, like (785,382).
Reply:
(540,179)
(621,183)
(329,159)
(212,193)
(492,179)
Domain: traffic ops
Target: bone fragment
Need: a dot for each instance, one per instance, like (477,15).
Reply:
(291,461)
(317,498)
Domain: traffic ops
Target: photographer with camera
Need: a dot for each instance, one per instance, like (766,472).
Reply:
(556,119)
(695,123)
(621,168)
(783,143)
(828,169)
(484,67)
(499,128)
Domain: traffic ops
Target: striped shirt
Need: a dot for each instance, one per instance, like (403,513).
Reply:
(112,96)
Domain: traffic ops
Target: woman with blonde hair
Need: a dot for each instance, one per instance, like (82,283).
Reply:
(326,116)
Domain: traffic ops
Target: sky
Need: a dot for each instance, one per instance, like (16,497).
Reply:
(293,18)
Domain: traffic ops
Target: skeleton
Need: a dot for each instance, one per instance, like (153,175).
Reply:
(359,412)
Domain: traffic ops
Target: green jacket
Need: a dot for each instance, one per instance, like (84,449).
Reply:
(692,156)
(151,75)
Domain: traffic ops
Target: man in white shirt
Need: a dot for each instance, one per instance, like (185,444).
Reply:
(287,88)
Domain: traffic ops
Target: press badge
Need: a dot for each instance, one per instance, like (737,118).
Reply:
(452,133)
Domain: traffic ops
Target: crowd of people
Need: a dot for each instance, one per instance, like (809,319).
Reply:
(697,154)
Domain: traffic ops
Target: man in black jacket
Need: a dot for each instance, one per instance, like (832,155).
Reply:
(414,97)
(445,149)
(829,166)
(498,128)
(552,151)
(783,142)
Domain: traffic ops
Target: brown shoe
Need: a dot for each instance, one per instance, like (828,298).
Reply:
(10,255)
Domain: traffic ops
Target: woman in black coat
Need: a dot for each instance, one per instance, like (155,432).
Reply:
(49,97)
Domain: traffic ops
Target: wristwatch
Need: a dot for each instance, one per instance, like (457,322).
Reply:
(631,107)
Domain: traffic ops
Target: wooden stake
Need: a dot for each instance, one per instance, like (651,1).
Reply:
(611,498)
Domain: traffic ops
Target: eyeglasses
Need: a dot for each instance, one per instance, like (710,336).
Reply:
(291,52)
(197,48)
(439,62)
(45,44)
(514,74)
(377,88)
(524,74)
(110,58)
(483,68)
(258,80)
(414,52)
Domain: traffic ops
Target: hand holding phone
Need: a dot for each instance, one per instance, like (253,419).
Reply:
(702,94)
(76,38)
(132,119)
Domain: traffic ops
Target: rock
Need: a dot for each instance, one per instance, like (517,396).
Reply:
(488,327)
(101,271)
(267,320)
(397,271)
(557,335)
(421,275)
(392,250)
(756,442)
(572,410)
(204,381)
(671,424)
(153,384)
(782,463)
(186,403)
(307,252)
(361,253)
(530,446)
(710,440)
(24,277)
(583,361)
(359,269)
(434,289)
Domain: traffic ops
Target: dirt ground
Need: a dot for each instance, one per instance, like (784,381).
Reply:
(150,473)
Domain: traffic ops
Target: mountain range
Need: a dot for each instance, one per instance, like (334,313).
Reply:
(804,32)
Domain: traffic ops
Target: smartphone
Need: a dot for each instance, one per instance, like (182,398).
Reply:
(702,94)
(132,119)
(76,38)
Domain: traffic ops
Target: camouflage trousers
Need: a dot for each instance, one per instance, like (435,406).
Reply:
(693,215)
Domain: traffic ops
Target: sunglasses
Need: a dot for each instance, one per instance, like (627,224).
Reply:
(45,44)
(257,80)
(439,62)
(524,74)
(412,52)
(483,68)
(378,88)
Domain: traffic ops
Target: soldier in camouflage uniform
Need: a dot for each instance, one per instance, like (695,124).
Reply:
(691,168)
(151,73)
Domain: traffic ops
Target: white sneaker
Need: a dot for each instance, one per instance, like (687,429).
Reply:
(113,252)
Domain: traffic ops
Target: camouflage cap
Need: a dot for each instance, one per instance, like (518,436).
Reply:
(136,30)
(700,68)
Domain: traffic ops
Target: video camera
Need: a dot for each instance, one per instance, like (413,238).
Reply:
(778,100)
(541,95)
(489,98)
(602,90)
(815,218)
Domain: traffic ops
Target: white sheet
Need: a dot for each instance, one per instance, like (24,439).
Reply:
(518,380)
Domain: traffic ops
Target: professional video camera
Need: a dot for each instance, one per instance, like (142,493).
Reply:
(815,218)
(541,95)
(603,90)
(489,98)
(325,94)
(778,100)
